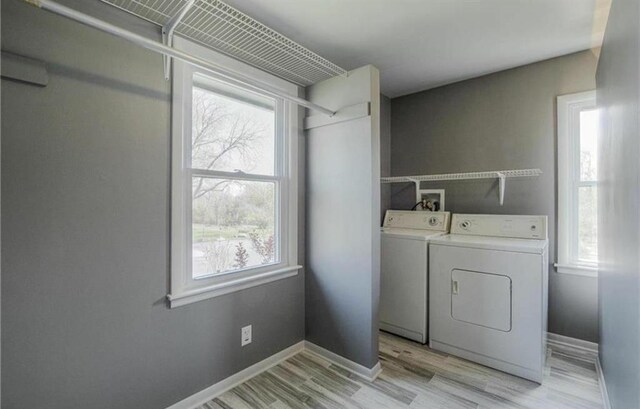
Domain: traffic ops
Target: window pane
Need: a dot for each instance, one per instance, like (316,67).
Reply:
(588,224)
(589,145)
(233,225)
(232,133)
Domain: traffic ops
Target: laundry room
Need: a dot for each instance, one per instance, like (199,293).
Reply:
(483,153)
(495,123)
(212,204)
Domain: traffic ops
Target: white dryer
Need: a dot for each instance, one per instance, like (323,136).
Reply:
(488,292)
(404,265)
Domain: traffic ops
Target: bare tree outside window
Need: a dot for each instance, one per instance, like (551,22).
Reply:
(233,220)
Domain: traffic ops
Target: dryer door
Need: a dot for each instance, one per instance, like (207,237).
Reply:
(488,306)
(481,299)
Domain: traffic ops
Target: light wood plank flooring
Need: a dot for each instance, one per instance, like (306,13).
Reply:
(415,376)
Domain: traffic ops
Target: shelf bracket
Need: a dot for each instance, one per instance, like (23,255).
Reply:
(417,182)
(502,179)
(342,115)
(167,35)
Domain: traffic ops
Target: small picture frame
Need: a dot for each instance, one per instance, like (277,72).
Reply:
(434,198)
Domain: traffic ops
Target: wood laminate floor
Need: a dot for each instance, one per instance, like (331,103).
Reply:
(415,376)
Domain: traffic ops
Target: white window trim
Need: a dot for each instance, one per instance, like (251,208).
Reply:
(568,106)
(185,290)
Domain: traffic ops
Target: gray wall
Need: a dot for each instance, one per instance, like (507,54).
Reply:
(506,120)
(618,96)
(85,234)
(343,215)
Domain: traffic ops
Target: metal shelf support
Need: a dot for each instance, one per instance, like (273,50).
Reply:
(232,76)
(223,28)
(167,35)
(501,186)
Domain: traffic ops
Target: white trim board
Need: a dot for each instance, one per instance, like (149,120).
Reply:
(369,374)
(588,347)
(234,380)
(205,395)
(576,343)
(217,389)
(603,385)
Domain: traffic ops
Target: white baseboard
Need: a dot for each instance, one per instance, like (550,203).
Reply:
(603,385)
(590,348)
(205,395)
(576,343)
(369,374)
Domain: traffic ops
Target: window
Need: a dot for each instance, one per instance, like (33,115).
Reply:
(578,126)
(233,191)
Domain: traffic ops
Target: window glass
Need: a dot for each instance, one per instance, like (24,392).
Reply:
(234,182)
(588,224)
(588,145)
(578,134)
(587,187)
(232,132)
(233,225)
(234,164)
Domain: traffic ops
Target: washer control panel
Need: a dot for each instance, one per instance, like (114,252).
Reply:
(523,227)
(407,219)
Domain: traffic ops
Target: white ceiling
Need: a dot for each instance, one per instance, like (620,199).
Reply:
(421,44)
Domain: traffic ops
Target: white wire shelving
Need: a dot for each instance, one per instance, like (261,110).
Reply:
(501,175)
(219,26)
(233,76)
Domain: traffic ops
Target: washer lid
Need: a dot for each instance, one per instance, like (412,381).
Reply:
(492,243)
(415,234)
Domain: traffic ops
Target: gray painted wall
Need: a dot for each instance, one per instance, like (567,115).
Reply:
(618,96)
(505,120)
(85,234)
(343,214)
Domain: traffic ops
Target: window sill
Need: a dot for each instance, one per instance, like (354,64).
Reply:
(215,290)
(577,269)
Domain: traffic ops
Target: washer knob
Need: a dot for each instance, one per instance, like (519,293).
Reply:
(433,221)
(465,224)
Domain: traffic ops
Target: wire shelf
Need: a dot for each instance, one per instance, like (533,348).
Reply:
(464,176)
(219,26)
(501,175)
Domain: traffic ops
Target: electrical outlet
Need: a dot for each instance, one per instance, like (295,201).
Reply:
(245,336)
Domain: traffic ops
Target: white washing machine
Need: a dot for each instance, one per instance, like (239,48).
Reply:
(488,292)
(404,265)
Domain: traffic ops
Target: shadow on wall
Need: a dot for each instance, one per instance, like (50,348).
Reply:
(109,83)
(317,296)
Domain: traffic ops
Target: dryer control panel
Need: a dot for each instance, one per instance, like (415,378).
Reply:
(407,219)
(521,227)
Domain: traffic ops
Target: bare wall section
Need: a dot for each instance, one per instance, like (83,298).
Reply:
(505,120)
(343,216)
